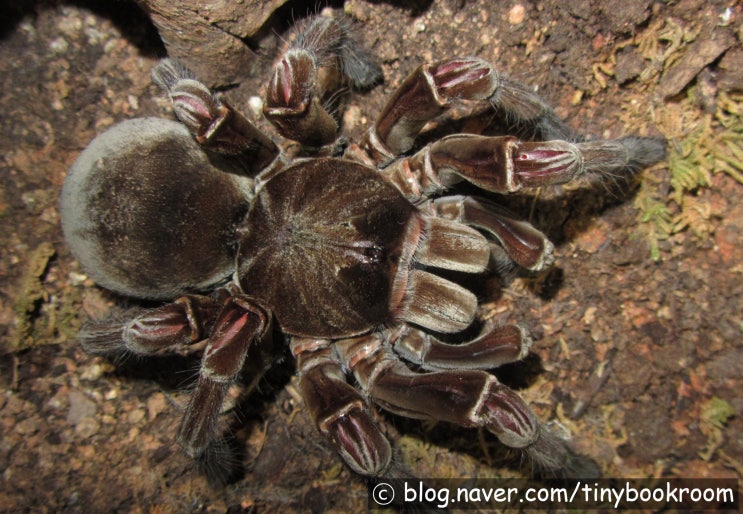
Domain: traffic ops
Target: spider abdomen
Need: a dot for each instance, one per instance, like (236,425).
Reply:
(149,214)
(322,245)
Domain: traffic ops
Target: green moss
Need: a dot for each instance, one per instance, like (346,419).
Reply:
(708,144)
(30,293)
(713,417)
(673,198)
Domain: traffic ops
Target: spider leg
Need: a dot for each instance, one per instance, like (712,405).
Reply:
(239,324)
(183,322)
(442,239)
(436,303)
(339,410)
(506,165)
(469,398)
(213,122)
(522,243)
(301,95)
(432,88)
(445,243)
(427,299)
(495,346)
(231,323)
(461,395)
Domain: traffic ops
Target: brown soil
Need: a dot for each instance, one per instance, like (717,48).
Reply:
(631,355)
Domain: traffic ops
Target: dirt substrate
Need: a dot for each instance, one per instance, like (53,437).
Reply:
(637,360)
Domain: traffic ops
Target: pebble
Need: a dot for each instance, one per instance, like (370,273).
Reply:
(517,14)
(155,405)
(352,118)
(255,104)
(59,45)
(27,426)
(76,279)
(136,416)
(87,427)
(80,408)
(92,372)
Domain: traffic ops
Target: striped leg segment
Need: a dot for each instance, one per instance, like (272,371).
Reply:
(212,121)
(433,88)
(470,398)
(339,411)
(494,347)
(524,244)
(240,323)
(323,59)
(504,164)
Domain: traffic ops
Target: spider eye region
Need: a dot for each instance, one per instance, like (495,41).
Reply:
(322,245)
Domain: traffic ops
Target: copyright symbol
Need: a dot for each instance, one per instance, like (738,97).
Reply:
(383,493)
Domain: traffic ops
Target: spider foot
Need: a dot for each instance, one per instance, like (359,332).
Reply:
(339,410)
(475,79)
(220,462)
(630,153)
(302,93)
(104,336)
(148,331)
(211,120)
(552,457)
(334,37)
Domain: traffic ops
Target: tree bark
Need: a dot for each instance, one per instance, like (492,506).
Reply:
(208,35)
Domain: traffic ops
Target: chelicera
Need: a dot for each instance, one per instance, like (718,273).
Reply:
(337,252)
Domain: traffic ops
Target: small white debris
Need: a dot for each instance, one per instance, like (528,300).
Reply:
(726,16)
(255,104)
(133,101)
(92,372)
(58,46)
(77,279)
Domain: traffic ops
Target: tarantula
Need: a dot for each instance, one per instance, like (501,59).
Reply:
(341,249)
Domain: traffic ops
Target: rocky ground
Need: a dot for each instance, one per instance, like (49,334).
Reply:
(638,353)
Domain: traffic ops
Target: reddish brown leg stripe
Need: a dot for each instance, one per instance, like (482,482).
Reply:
(339,410)
(240,323)
(468,398)
(494,347)
(523,243)
(185,321)
(212,121)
